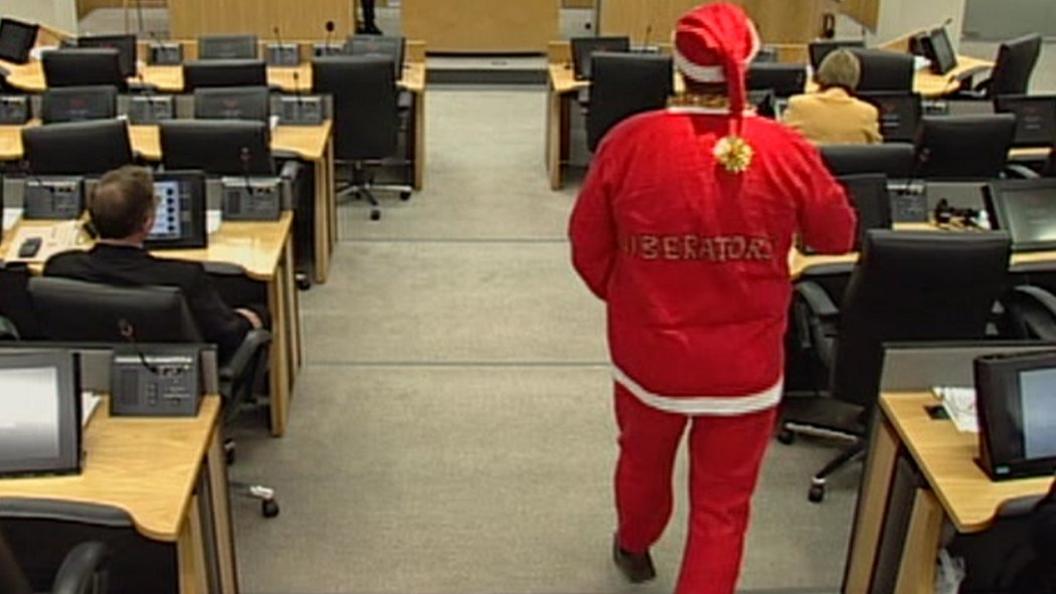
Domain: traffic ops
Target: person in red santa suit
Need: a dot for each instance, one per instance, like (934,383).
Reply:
(683,227)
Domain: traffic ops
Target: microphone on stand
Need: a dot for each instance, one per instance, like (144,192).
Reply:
(329,34)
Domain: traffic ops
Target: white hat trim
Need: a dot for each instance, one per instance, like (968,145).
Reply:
(713,74)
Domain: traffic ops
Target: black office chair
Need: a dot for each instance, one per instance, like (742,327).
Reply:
(149,315)
(1012,70)
(969,147)
(883,70)
(84,569)
(78,148)
(218,147)
(232,103)
(227,47)
(76,104)
(907,286)
(224,73)
(583,49)
(366,120)
(895,160)
(625,85)
(899,114)
(785,80)
(8,330)
(389,46)
(76,67)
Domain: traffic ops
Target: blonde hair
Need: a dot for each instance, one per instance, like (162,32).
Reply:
(839,69)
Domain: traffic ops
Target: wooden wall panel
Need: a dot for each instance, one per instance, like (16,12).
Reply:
(303,19)
(482,26)
(779,21)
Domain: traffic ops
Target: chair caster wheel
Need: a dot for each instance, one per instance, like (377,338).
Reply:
(405,196)
(375,215)
(816,494)
(786,437)
(303,282)
(269,508)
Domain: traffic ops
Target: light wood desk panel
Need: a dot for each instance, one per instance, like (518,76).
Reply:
(482,26)
(264,251)
(155,485)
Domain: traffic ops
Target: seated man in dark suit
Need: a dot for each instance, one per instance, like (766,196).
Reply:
(122,208)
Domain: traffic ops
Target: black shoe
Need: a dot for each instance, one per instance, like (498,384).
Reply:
(636,568)
(372,29)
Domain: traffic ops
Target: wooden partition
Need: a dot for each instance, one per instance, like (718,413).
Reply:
(482,26)
(779,21)
(303,19)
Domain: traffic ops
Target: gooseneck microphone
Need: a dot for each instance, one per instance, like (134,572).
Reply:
(329,34)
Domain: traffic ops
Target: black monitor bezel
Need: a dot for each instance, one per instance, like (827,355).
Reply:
(997,208)
(24,53)
(69,458)
(198,236)
(940,37)
(999,409)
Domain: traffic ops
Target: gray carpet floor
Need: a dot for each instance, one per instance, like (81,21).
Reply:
(452,428)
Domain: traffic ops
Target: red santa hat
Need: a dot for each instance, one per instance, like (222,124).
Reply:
(714,43)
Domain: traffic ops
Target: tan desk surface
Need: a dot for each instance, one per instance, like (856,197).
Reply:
(169,79)
(307,142)
(947,458)
(256,247)
(146,467)
(563,80)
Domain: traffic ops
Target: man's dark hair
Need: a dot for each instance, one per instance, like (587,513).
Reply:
(122,201)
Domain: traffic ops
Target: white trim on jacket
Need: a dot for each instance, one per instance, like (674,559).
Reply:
(721,406)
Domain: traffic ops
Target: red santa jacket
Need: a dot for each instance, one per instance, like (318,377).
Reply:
(693,260)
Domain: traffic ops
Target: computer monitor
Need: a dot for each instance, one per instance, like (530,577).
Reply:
(179,221)
(40,413)
(76,67)
(379,45)
(227,47)
(224,73)
(1026,209)
(940,51)
(218,147)
(124,44)
(900,114)
(820,49)
(1035,118)
(76,104)
(102,145)
(17,40)
(784,80)
(585,47)
(870,198)
(232,103)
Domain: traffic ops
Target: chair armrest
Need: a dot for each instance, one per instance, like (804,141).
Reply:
(8,330)
(1017,171)
(817,300)
(80,568)
(1040,296)
(237,365)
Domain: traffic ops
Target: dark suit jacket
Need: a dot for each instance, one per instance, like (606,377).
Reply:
(134,267)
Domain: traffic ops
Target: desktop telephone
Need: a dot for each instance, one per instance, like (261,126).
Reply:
(53,198)
(163,382)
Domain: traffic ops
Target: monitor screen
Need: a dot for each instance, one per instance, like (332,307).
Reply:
(1027,210)
(39,413)
(179,221)
(124,44)
(16,40)
(1037,393)
(944,57)
(1035,118)
(899,114)
(585,47)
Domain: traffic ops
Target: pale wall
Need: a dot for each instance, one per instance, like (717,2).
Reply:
(899,17)
(59,14)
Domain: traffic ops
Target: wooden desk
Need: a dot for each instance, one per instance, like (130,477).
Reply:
(152,468)
(562,87)
(479,26)
(313,144)
(264,251)
(957,490)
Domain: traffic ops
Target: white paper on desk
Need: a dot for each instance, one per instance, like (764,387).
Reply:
(59,237)
(921,63)
(11,218)
(213,220)
(273,122)
(959,404)
(89,402)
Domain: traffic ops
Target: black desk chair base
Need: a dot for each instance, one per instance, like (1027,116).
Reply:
(361,186)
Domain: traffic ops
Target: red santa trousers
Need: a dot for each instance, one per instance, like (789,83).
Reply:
(725,457)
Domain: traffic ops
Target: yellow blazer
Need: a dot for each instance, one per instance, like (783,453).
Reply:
(833,117)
